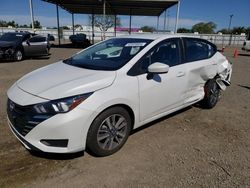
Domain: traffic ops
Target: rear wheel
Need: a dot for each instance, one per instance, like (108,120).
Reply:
(109,132)
(18,55)
(212,94)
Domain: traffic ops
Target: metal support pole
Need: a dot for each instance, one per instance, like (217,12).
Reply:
(157,27)
(93,28)
(58,25)
(104,18)
(168,15)
(177,16)
(115,25)
(73,23)
(130,22)
(32,15)
(164,24)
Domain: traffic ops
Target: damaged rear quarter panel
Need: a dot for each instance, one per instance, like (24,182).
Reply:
(199,72)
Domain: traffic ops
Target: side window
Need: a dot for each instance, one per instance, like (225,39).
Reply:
(198,49)
(38,39)
(26,37)
(167,52)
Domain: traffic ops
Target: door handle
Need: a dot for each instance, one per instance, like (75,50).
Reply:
(180,74)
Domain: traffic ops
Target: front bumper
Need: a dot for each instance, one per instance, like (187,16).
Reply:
(61,133)
(7,54)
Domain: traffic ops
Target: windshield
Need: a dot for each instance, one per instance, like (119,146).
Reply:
(111,54)
(11,37)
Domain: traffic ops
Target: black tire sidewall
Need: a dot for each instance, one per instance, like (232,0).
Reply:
(207,103)
(92,144)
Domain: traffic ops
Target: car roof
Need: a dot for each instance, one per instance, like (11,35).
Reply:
(154,36)
(19,33)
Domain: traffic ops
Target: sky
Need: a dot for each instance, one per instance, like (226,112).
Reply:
(191,12)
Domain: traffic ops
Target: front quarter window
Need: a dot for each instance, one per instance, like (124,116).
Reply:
(111,54)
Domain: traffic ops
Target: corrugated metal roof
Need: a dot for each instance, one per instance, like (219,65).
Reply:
(116,7)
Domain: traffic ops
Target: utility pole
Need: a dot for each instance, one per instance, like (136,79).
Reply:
(229,27)
(32,15)
(230,21)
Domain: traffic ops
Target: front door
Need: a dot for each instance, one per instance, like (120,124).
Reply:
(37,45)
(163,92)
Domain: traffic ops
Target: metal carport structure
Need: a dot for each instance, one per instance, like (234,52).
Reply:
(115,7)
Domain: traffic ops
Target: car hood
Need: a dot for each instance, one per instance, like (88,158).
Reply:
(4,44)
(60,80)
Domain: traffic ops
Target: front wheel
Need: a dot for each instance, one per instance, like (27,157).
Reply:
(212,94)
(109,132)
(18,55)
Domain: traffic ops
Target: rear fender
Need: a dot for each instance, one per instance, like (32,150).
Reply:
(224,75)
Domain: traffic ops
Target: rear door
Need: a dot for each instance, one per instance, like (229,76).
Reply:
(201,66)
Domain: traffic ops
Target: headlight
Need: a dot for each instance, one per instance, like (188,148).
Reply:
(61,105)
(9,51)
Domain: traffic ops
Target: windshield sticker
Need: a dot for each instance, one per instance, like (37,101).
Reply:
(19,35)
(137,44)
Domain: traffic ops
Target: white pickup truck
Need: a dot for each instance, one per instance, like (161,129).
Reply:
(246,45)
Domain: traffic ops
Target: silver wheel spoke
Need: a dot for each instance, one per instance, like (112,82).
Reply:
(122,135)
(118,140)
(105,143)
(108,123)
(121,126)
(113,120)
(103,136)
(120,120)
(111,143)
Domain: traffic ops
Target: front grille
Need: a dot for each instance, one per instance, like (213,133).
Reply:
(23,118)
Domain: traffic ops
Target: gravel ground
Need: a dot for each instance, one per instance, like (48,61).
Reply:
(191,148)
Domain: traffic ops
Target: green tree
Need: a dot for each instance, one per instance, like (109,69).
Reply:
(204,28)
(184,30)
(105,25)
(148,29)
(11,23)
(65,27)
(224,31)
(3,23)
(78,26)
(239,30)
(37,24)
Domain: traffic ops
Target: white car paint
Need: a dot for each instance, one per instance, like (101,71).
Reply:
(151,99)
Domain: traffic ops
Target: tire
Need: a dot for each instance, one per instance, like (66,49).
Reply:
(109,132)
(18,55)
(47,51)
(212,94)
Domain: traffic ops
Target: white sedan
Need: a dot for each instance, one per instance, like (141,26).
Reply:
(96,97)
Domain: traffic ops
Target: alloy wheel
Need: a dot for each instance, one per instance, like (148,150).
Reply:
(112,132)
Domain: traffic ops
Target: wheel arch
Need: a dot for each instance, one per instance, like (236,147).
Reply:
(126,107)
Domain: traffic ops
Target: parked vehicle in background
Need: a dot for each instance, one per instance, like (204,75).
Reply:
(80,40)
(95,98)
(246,45)
(18,45)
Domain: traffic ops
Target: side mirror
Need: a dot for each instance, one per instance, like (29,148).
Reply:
(28,42)
(158,68)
